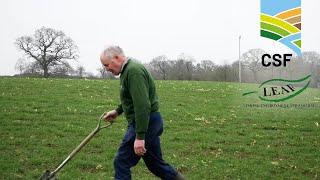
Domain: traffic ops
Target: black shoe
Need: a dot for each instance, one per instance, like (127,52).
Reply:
(180,176)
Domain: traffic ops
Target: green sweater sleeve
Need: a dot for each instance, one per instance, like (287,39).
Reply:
(119,109)
(138,87)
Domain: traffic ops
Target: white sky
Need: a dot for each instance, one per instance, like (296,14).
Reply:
(204,29)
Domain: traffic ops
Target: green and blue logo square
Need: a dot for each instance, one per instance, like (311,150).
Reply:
(280,20)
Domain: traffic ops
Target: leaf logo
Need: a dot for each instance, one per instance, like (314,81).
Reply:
(277,90)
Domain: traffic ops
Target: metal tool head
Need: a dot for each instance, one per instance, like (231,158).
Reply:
(48,176)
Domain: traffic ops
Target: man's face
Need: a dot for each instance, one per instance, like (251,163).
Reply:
(112,65)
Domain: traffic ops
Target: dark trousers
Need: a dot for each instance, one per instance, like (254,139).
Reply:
(126,158)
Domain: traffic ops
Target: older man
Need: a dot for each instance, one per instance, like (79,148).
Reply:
(139,103)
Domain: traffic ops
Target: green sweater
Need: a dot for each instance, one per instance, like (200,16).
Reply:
(138,96)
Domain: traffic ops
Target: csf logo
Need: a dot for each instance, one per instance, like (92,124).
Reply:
(280,20)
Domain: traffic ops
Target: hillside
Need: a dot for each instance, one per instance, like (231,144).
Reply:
(210,131)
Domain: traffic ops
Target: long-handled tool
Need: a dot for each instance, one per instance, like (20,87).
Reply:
(51,175)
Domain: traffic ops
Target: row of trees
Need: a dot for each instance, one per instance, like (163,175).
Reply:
(252,71)
(50,52)
(33,68)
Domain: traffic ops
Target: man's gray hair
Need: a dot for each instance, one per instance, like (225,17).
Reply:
(112,51)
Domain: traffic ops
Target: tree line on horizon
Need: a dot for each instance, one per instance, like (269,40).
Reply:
(49,52)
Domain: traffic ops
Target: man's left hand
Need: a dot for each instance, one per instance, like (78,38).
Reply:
(139,147)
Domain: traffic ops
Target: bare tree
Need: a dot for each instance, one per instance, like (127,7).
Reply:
(252,60)
(21,65)
(184,66)
(208,68)
(179,69)
(48,47)
(207,65)
(80,71)
(32,68)
(160,66)
(62,70)
(311,57)
(310,61)
(105,74)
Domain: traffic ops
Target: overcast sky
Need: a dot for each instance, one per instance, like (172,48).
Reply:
(204,29)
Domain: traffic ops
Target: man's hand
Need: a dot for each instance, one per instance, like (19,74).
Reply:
(110,116)
(139,148)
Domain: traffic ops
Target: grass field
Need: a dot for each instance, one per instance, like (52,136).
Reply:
(210,133)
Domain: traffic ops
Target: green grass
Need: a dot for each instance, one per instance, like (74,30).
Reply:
(209,132)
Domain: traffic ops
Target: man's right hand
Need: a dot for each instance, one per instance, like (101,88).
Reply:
(110,116)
